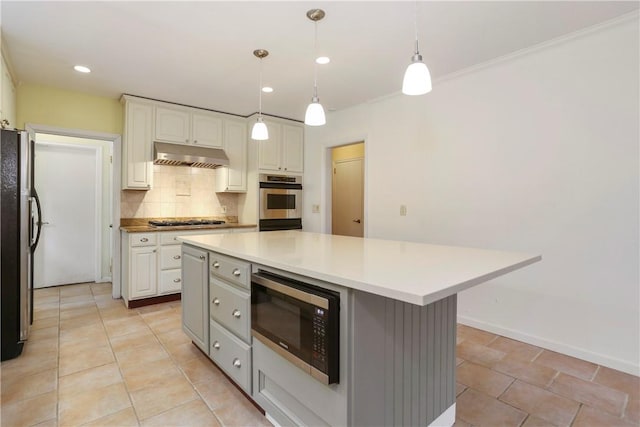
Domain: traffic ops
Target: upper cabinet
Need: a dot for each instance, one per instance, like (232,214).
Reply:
(137,149)
(284,150)
(233,178)
(7,97)
(188,126)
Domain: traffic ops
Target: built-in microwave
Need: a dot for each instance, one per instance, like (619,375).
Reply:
(280,202)
(299,321)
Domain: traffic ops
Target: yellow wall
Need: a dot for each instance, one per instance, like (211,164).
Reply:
(66,109)
(351,151)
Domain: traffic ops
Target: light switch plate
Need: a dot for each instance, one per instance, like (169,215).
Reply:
(315,208)
(403,210)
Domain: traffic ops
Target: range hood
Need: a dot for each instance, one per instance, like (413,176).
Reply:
(188,155)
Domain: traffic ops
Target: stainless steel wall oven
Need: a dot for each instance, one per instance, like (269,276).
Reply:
(280,202)
(299,321)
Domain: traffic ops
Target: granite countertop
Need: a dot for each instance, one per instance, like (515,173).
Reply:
(141,225)
(416,273)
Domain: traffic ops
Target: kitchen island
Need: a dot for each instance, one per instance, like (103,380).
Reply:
(397,323)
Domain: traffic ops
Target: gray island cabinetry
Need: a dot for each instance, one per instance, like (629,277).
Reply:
(396,322)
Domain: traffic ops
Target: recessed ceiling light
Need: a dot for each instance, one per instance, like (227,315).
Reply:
(323,60)
(267,89)
(82,69)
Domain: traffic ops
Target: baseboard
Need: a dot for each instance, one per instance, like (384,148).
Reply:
(580,353)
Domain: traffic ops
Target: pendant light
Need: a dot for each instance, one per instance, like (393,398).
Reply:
(315,113)
(259,132)
(417,79)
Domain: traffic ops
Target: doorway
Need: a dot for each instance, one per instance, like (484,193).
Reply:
(347,190)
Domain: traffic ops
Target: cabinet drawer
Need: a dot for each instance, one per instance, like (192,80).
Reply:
(170,257)
(142,239)
(170,281)
(231,355)
(170,238)
(230,269)
(230,306)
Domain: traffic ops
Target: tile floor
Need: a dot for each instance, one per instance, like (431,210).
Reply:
(90,361)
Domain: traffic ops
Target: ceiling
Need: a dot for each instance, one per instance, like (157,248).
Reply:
(200,53)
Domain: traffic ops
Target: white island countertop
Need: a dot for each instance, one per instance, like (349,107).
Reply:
(416,273)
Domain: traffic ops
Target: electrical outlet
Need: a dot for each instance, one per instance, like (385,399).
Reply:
(315,208)
(223,209)
(403,210)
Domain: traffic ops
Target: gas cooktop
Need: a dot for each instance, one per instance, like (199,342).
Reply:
(168,223)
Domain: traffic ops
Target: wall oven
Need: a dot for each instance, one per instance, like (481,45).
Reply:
(280,202)
(299,321)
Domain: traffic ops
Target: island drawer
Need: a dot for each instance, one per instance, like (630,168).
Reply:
(170,257)
(231,307)
(170,281)
(231,355)
(142,239)
(230,269)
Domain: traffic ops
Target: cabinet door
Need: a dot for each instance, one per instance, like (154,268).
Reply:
(269,150)
(234,177)
(142,270)
(172,125)
(206,130)
(292,148)
(137,158)
(195,296)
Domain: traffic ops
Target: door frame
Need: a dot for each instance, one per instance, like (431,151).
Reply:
(98,217)
(116,150)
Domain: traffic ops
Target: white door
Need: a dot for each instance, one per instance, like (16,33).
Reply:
(66,181)
(347,201)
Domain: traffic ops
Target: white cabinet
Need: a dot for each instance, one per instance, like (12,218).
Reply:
(284,150)
(137,150)
(7,97)
(143,270)
(233,178)
(188,126)
(195,296)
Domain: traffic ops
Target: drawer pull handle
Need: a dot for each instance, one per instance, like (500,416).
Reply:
(236,313)
(216,345)
(144,239)
(236,363)
(216,301)
(175,239)
(177,280)
(176,257)
(236,272)
(216,264)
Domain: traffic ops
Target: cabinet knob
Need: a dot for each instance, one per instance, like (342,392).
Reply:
(216,345)
(216,264)
(195,141)
(178,257)
(186,140)
(154,251)
(216,301)
(144,239)
(236,363)
(202,257)
(175,239)
(236,313)
(148,185)
(236,272)
(285,168)
(279,168)
(177,280)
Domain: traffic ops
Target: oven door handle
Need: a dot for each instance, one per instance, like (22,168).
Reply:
(291,291)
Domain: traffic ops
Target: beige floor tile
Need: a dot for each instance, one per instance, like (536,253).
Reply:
(567,364)
(47,322)
(41,345)
(74,290)
(78,312)
(619,381)
(45,292)
(199,370)
(29,412)
(460,423)
(589,393)
(541,403)
(460,388)
(193,413)
(218,393)
(125,326)
(241,413)
(170,323)
(479,409)
(590,417)
(141,376)
(29,364)
(101,288)
(49,423)
(173,338)
(132,340)
(183,353)
(106,303)
(80,321)
(528,372)
(44,333)
(141,354)
(124,418)
(148,309)
(79,408)
(476,335)
(480,354)
(483,379)
(632,411)
(160,396)
(80,333)
(82,345)
(21,388)
(85,360)
(516,349)
(533,421)
(39,314)
(89,379)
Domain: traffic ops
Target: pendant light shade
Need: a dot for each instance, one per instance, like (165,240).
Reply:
(259,132)
(315,113)
(417,79)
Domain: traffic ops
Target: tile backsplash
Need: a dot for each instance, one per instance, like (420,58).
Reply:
(179,192)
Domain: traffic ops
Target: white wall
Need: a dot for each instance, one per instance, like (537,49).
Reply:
(538,153)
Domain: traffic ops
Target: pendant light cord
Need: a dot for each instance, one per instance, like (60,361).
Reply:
(415,24)
(315,64)
(260,91)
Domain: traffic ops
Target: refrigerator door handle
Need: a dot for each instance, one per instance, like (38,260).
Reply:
(36,239)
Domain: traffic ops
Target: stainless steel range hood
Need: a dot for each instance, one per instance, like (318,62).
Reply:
(188,155)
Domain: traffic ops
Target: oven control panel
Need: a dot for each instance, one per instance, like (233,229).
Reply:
(319,358)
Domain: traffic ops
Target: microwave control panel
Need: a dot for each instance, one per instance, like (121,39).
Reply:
(319,358)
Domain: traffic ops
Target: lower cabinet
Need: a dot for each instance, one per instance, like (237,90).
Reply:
(143,271)
(195,296)
(231,355)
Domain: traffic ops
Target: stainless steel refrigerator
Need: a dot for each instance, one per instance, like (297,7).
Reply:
(19,235)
